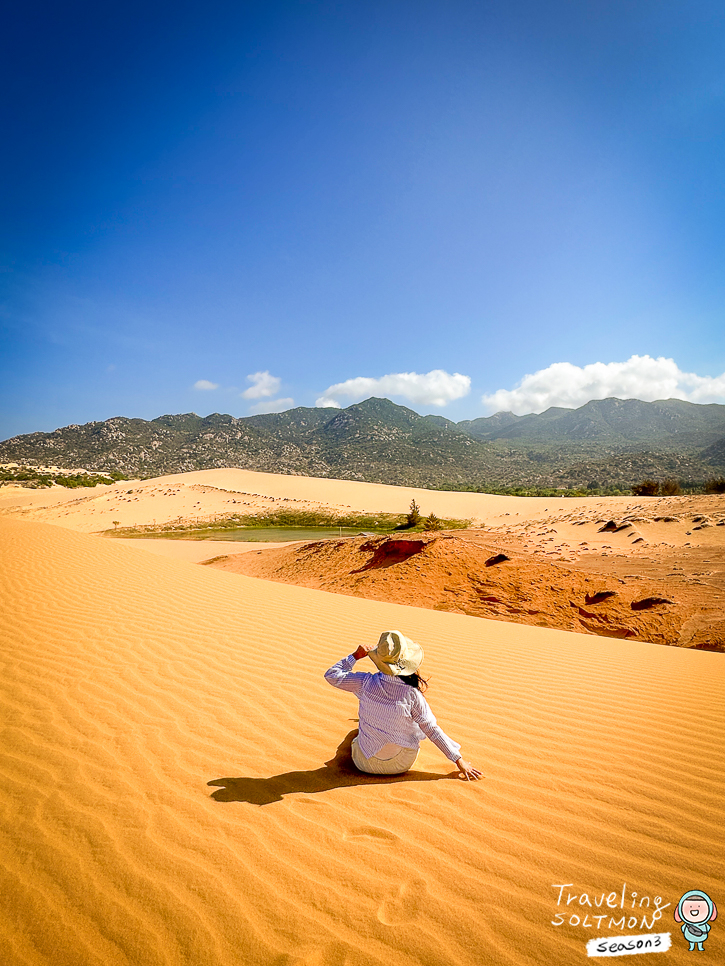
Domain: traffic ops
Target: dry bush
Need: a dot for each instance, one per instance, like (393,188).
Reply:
(670,488)
(646,488)
(716,485)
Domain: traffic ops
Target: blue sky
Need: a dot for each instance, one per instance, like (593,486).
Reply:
(464,206)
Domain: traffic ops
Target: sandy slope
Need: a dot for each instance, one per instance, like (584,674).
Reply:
(196,551)
(171,792)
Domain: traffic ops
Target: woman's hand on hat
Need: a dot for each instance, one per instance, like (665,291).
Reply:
(362,650)
(467,770)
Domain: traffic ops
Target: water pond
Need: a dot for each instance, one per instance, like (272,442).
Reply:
(258,534)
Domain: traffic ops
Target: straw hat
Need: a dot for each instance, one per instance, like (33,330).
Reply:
(396,654)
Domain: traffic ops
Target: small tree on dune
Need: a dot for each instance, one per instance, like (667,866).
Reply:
(670,488)
(414,514)
(432,522)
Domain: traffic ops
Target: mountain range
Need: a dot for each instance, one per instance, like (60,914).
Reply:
(604,444)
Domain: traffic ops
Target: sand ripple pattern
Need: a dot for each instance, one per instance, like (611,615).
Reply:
(171,791)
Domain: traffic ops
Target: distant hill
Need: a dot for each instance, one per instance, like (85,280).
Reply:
(606,443)
(624,422)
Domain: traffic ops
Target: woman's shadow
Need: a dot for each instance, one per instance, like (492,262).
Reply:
(338,772)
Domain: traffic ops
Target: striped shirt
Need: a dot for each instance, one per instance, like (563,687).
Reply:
(391,711)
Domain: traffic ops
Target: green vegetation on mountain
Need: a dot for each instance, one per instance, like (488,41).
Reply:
(605,446)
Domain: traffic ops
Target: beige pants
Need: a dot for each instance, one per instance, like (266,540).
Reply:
(390,760)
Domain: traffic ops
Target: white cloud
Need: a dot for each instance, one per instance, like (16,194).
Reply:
(570,386)
(435,388)
(205,384)
(272,406)
(263,385)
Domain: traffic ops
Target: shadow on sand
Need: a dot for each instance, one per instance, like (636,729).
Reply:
(339,772)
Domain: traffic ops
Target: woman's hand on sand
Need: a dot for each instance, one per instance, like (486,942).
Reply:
(467,770)
(360,653)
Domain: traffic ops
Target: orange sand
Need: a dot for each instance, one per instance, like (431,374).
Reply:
(464,572)
(171,794)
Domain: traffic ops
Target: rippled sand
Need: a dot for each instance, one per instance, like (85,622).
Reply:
(176,787)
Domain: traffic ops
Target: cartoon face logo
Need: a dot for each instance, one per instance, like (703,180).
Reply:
(695,911)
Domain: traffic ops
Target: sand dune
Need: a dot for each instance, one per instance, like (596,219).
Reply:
(558,527)
(196,551)
(173,794)
(464,572)
(206,494)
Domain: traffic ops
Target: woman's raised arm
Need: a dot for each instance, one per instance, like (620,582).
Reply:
(341,675)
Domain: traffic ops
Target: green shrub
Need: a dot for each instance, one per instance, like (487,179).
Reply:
(81,479)
(432,522)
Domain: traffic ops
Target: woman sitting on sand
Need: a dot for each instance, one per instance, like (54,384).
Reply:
(394,715)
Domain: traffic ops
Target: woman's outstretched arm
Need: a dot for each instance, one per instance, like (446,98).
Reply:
(426,721)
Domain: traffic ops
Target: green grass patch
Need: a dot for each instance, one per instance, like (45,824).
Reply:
(288,520)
